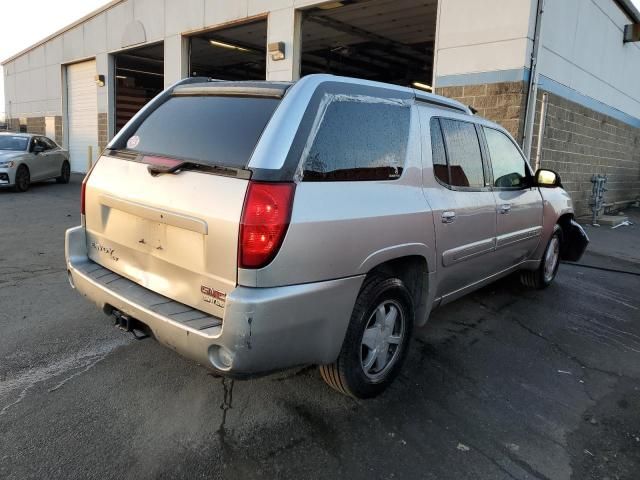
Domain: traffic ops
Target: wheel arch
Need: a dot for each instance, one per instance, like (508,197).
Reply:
(413,270)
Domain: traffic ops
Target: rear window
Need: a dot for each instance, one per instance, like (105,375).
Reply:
(206,129)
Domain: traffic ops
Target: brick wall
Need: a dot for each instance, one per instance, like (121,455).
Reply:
(103,131)
(58,129)
(503,103)
(36,125)
(579,142)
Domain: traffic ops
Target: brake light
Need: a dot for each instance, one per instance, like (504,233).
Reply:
(83,190)
(265,219)
(82,195)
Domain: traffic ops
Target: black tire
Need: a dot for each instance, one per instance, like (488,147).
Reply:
(347,374)
(65,173)
(23,179)
(539,279)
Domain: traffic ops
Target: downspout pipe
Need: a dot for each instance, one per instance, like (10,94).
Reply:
(532,92)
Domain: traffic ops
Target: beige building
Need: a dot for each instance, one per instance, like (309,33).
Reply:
(510,59)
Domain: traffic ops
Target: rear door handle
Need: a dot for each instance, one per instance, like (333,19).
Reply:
(505,208)
(448,217)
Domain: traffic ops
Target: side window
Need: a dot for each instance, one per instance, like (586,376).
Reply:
(41,143)
(463,154)
(439,155)
(509,170)
(50,144)
(358,140)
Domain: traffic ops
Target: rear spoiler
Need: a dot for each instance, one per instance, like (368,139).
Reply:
(240,89)
(119,142)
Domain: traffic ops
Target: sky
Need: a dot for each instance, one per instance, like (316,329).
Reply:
(26,22)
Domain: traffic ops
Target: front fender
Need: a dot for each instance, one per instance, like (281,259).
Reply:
(556,204)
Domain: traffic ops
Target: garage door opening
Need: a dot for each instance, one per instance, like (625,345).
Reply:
(385,40)
(139,77)
(232,53)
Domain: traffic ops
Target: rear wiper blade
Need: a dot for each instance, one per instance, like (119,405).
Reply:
(162,165)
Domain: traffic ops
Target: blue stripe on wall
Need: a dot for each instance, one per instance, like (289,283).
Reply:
(516,75)
(572,95)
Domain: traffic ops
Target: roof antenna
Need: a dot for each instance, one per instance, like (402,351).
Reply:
(473,110)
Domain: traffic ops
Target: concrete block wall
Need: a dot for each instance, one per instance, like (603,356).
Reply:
(502,102)
(579,142)
(36,125)
(103,130)
(58,129)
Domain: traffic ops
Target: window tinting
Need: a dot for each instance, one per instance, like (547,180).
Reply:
(40,142)
(463,149)
(49,143)
(8,142)
(438,154)
(210,130)
(509,170)
(359,140)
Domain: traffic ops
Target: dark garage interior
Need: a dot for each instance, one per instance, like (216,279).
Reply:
(237,52)
(139,77)
(385,40)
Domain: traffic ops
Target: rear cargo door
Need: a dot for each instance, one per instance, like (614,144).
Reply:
(177,233)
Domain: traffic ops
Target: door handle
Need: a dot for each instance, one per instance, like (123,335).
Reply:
(505,208)
(448,217)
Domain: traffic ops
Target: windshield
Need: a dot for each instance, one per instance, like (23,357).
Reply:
(15,143)
(220,131)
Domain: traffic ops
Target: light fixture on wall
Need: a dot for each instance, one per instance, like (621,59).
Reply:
(99,80)
(423,86)
(276,51)
(229,46)
(632,33)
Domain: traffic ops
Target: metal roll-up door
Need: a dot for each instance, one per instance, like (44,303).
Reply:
(82,109)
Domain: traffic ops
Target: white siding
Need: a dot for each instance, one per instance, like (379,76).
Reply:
(482,36)
(83,114)
(582,49)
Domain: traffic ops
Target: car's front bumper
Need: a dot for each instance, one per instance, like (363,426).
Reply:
(7,177)
(263,329)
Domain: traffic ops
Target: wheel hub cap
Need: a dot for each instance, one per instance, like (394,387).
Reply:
(551,259)
(382,339)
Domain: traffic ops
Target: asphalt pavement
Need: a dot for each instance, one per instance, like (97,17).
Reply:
(507,383)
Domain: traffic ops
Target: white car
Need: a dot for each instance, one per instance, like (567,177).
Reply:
(27,158)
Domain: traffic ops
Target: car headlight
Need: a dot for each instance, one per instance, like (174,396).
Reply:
(8,164)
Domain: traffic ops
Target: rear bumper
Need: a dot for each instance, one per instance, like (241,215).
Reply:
(263,329)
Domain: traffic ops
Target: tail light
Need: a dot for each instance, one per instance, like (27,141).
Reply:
(82,195)
(265,219)
(83,191)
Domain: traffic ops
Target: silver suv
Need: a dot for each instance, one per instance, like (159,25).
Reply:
(256,226)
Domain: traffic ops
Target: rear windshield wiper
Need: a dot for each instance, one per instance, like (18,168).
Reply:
(160,166)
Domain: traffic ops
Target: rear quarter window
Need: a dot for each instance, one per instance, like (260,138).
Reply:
(211,130)
(361,138)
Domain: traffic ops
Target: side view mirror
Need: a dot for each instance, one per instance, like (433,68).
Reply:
(547,179)
(38,149)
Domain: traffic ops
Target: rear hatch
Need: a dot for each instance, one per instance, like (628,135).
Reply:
(170,226)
